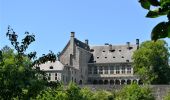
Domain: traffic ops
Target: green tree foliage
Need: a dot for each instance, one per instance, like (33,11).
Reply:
(135,92)
(167,97)
(151,62)
(102,95)
(161,8)
(18,76)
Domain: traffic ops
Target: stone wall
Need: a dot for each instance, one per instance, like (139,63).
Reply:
(159,91)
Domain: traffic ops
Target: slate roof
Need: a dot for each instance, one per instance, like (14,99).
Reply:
(118,53)
(57,66)
(81,44)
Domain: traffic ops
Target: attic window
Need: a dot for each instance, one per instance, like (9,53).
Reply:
(91,50)
(103,51)
(127,60)
(105,57)
(120,50)
(112,50)
(51,67)
(97,57)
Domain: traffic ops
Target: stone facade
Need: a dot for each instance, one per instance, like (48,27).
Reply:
(106,64)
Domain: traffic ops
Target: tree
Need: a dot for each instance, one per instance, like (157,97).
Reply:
(135,92)
(162,7)
(18,75)
(167,97)
(151,62)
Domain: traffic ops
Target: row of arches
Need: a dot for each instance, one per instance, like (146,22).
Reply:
(115,82)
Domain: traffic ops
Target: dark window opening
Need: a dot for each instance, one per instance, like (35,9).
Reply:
(103,51)
(97,57)
(105,57)
(127,60)
(122,56)
(91,50)
(112,50)
(114,57)
(120,50)
(51,67)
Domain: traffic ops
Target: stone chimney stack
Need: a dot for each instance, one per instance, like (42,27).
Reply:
(72,44)
(137,43)
(87,41)
(110,47)
(128,45)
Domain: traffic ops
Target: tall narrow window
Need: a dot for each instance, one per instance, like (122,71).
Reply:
(117,70)
(128,70)
(49,76)
(105,69)
(89,69)
(55,76)
(95,70)
(111,69)
(100,69)
(123,69)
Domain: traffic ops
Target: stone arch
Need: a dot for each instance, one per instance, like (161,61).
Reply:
(95,82)
(117,82)
(111,82)
(80,82)
(106,81)
(134,81)
(100,81)
(123,81)
(128,81)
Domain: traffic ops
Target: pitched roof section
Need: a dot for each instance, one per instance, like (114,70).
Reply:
(51,66)
(119,53)
(81,44)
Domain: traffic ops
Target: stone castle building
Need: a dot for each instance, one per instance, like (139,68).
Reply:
(84,64)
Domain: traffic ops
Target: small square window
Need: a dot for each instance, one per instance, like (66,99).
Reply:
(114,57)
(97,57)
(120,50)
(51,67)
(103,51)
(122,56)
(105,57)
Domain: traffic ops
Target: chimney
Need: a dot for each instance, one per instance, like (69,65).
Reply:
(72,34)
(72,43)
(87,41)
(110,47)
(137,43)
(128,45)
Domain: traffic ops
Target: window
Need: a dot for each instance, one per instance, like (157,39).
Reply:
(105,57)
(106,70)
(128,70)
(103,51)
(90,70)
(97,57)
(55,76)
(122,56)
(49,76)
(38,68)
(120,50)
(51,67)
(114,57)
(100,70)
(123,69)
(117,70)
(111,69)
(91,50)
(95,70)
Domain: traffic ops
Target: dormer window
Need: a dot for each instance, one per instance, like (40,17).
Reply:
(91,50)
(51,67)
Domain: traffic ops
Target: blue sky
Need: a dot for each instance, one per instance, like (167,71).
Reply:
(99,21)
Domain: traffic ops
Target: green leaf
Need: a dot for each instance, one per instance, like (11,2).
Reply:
(153,14)
(160,31)
(154,2)
(145,4)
